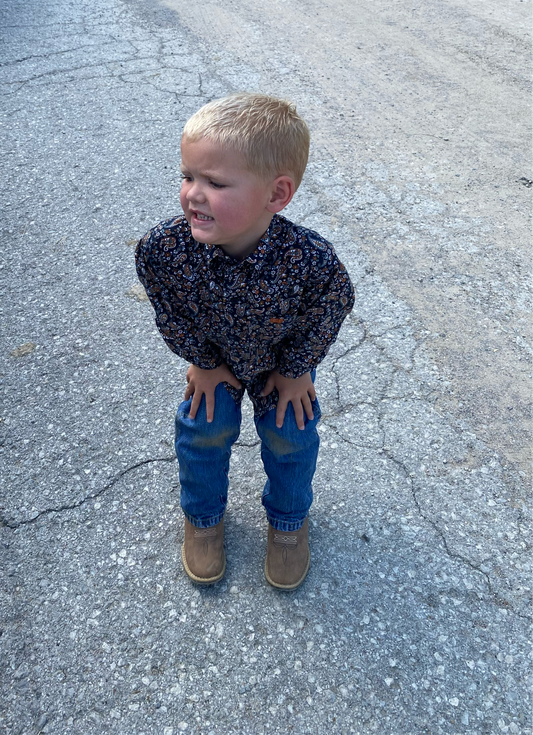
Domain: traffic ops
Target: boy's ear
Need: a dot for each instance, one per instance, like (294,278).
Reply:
(283,189)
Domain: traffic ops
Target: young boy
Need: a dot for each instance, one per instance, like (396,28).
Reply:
(253,302)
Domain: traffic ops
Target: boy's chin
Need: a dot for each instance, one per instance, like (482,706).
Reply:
(198,235)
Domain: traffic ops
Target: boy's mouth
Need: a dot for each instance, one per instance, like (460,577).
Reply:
(201,217)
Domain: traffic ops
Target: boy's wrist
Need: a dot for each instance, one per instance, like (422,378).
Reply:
(209,367)
(291,374)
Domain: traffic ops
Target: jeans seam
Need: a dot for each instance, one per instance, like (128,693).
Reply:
(204,523)
(287,526)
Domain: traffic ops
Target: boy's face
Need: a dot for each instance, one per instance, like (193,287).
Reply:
(224,203)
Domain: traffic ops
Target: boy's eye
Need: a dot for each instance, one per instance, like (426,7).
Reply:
(216,185)
(186,177)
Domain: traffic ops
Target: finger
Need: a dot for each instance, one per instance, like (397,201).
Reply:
(280,412)
(312,392)
(269,387)
(234,381)
(210,406)
(308,408)
(196,400)
(298,413)
(189,390)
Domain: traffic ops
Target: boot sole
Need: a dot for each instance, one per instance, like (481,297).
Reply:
(288,587)
(201,580)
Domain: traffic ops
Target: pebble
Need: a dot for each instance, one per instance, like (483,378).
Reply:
(137,292)
(24,349)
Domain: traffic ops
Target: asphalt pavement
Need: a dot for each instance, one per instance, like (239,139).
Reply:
(415,616)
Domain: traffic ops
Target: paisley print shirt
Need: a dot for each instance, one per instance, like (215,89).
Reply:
(281,307)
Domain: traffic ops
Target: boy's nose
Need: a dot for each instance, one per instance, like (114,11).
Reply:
(195,193)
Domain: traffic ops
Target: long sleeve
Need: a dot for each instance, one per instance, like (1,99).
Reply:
(328,298)
(174,311)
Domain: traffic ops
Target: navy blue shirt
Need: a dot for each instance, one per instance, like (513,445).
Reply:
(279,308)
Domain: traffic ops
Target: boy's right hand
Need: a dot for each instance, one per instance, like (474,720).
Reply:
(203,383)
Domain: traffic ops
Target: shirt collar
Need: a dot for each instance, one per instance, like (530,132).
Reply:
(256,258)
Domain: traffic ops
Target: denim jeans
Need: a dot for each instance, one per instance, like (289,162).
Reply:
(203,450)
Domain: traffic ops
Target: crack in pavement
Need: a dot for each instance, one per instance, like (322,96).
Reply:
(109,75)
(350,349)
(50,54)
(6,523)
(12,91)
(408,476)
(56,72)
(455,556)
(383,449)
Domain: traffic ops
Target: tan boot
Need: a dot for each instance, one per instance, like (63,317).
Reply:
(202,553)
(288,557)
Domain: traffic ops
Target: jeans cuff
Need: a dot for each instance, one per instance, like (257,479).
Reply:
(203,522)
(286,526)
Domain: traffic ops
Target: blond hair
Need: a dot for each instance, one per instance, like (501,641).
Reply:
(267,131)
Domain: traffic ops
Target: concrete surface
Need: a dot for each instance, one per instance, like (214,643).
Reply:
(414,619)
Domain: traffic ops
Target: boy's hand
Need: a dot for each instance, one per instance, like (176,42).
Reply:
(298,391)
(203,382)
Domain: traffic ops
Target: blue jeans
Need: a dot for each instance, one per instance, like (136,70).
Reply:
(203,450)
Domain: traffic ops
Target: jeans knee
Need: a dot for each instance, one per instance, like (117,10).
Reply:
(279,445)
(216,440)
(199,434)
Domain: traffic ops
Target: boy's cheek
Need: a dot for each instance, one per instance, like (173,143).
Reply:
(184,201)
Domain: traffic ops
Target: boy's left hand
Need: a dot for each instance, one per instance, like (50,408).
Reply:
(298,391)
